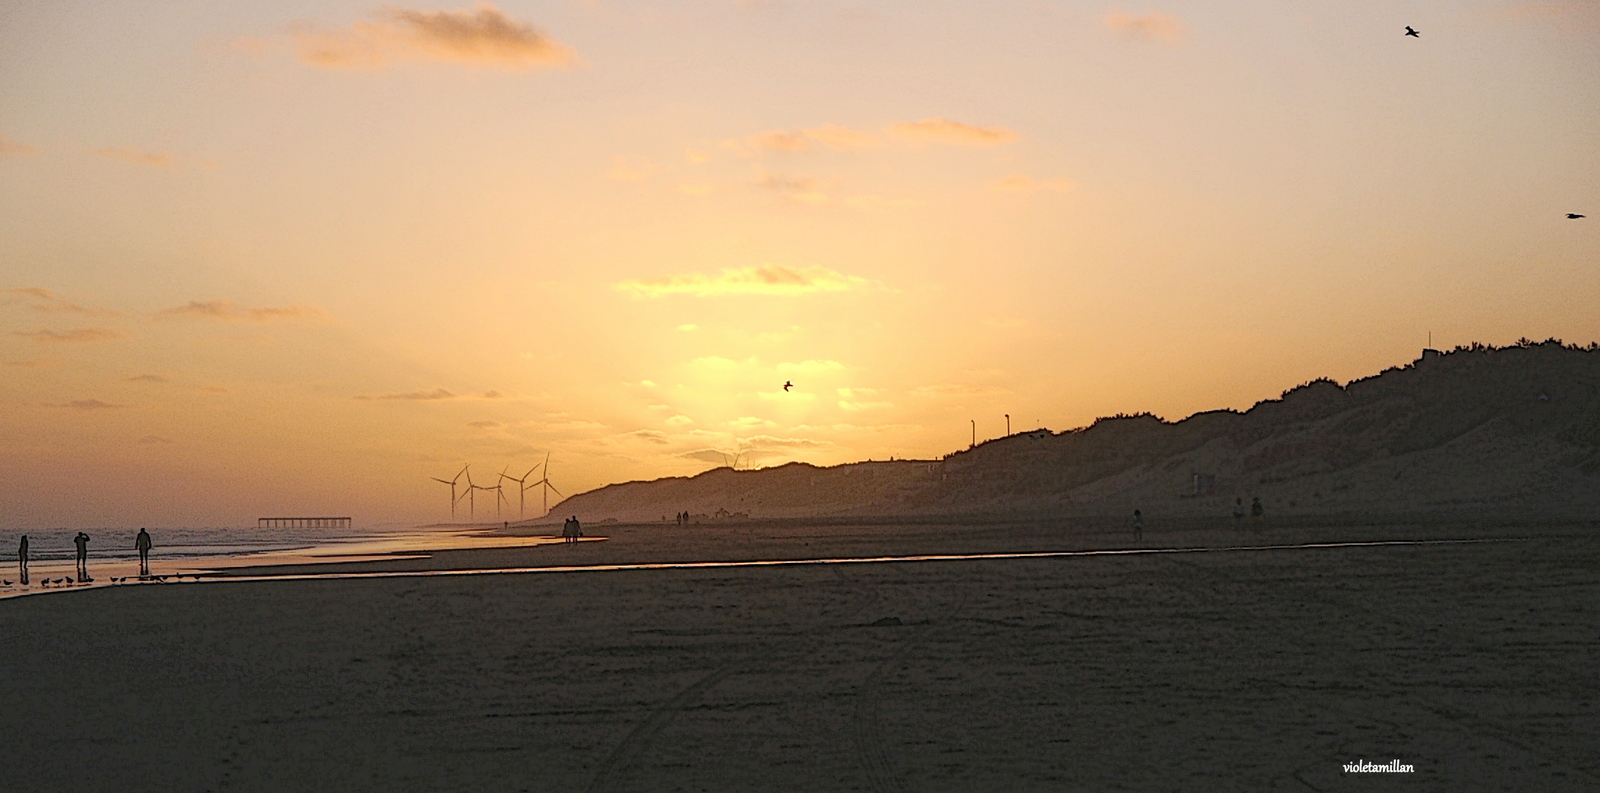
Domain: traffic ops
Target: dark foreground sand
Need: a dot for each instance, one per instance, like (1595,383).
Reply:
(1255,670)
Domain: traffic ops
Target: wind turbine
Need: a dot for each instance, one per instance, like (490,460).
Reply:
(545,482)
(452,483)
(499,491)
(471,494)
(522,493)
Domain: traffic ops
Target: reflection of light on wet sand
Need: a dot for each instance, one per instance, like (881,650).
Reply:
(188,579)
(389,548)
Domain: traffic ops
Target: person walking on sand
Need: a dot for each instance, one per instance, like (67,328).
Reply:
(577,528)
(22,558)
(1238,511)
(1257,512)
(82,541)
(142,544)
(1138,525)
(566,530)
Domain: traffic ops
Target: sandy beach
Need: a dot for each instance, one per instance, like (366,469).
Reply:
(1222,670)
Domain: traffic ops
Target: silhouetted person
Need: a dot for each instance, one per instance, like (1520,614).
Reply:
(1412,33)
(1238,511)
(22,558)
(143,546)
(1256,510)
(1138,525)
(577,528)
(82,541)
(1573,216)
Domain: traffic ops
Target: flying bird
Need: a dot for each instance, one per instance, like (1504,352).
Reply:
(1573,216)
(1410,31)
(787,385)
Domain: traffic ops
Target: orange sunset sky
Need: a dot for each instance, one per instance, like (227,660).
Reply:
(296,257)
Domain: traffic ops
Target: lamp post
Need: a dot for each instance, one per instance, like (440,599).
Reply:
(974,433)
(1008,425)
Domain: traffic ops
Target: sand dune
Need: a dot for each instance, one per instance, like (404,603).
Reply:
(1507,434)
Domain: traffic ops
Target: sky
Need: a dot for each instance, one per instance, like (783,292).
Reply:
(296,258)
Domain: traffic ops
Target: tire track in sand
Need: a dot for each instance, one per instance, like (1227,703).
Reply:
(617,766)
(866,726)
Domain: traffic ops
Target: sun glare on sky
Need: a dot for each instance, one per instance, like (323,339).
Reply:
(263,258)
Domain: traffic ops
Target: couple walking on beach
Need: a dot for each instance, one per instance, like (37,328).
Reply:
(572,530)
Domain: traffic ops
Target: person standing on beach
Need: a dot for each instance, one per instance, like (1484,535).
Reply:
(143,546)
(22,558)
(1257,512)
(1238,511)
(1138,525)
(82,541)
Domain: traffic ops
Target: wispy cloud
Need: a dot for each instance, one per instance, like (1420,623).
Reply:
(146,378)
(53,303)
(420,396)
(87,404)
(14,148)
(1150,26)
(1020,183)
(767,279)
(953,133)
(73,336)
(483,36)
(436,395)
(229,311)
(128,154)
(800,187)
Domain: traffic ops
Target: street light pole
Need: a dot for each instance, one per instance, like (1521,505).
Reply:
(974,433)
(1008,425)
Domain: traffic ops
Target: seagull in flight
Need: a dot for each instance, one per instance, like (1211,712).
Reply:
(1574,216)
(1410,31)
(788,384)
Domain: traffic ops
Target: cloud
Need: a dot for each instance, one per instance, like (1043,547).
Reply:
(420,396)
(767,279)
(679,420)
(228,311)
(768,441)
(14,148)
(146,378)
(653,436)
(840,138)
(483,36)
(158,159)
(484,424)
(800,187)
(1152,26)
(624,169)
(954,133)
(74,336)
(747,422)
(53,303)
(88,404)
(1019,183)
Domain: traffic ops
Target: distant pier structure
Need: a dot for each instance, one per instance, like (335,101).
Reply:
(302,523)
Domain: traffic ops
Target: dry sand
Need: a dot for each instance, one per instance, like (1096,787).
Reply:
(1243,670)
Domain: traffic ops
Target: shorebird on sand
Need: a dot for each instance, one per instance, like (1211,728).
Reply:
(1573,216)
(1412,33)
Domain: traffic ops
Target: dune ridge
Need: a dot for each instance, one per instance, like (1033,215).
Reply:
(1487,432)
